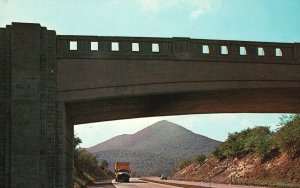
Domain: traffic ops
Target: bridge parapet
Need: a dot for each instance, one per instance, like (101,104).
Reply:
(69,46)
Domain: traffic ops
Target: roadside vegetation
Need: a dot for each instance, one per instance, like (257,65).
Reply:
(199,159)
(262,141)
(254,156)
(87,169)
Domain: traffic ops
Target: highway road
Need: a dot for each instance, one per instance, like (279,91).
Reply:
(134,183)
(137,183)
(191,184)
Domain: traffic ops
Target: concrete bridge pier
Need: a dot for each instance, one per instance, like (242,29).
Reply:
(30,137)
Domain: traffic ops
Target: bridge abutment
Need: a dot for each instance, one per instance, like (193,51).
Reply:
(28,117)
(297,51)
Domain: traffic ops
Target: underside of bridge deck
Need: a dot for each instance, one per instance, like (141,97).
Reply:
(285,100)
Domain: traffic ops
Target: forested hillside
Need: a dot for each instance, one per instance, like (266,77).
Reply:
(87,168)
(155,149)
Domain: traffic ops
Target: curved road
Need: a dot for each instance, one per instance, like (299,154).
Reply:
(137,183)
(134,183)
(192,184)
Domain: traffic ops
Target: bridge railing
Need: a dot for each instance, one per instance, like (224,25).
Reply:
(175,48)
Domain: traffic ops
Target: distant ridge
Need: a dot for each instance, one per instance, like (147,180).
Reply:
(154,149)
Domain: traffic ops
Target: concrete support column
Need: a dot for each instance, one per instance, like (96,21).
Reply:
(2,107)
(59,149)
(5,106)
(28,106)
(5,80)
(64,148)
(69,154)
(297,51)
(26,111)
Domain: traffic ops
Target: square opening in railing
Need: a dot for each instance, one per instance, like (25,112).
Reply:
(94,46)
(73,45)
(260,51)
(155,47)
(205,49)
(114,46)
(278,52)
(243,50)
(224,50)
(135,47)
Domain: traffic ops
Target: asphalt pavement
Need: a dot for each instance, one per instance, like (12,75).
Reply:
(155,182)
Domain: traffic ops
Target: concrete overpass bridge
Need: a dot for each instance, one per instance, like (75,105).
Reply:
(49,83)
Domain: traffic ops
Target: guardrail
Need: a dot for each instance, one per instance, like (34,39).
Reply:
(69,46)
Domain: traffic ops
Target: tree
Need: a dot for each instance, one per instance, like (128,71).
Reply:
(233,146)
(259,141)
(287,137)
(85,160)
(255,140)
(77,141)
(285,119)
(200,158)
(262,141)
(182,163)
(103,164)
(218,153)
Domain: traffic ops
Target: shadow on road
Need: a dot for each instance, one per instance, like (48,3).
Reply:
(109,184)
(106,184)
(175,184)
(137,181)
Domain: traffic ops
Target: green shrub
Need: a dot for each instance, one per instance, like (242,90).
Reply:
(255,140)
(200,158)
(182,163)
(86,167)
(287,138)
(259,141)
(103,164)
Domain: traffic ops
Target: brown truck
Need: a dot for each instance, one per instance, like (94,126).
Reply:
(122,171)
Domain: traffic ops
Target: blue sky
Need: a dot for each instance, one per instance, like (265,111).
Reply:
(255,20)
(262,20)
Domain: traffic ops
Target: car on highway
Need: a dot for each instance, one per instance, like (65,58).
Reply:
(162,177)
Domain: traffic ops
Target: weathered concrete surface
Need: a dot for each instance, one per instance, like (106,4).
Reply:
(190,86)
(47,86)
(25,127)
(242,101)
(109,78)
(28,107)
(4,102)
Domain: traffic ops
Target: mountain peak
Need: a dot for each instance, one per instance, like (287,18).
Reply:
(163,121)
(161,140)
(162,130)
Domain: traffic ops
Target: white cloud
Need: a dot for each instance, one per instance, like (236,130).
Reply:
(149,5)
(195,8)
(3,1)
(200,7)
(245,123)
(196,13)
